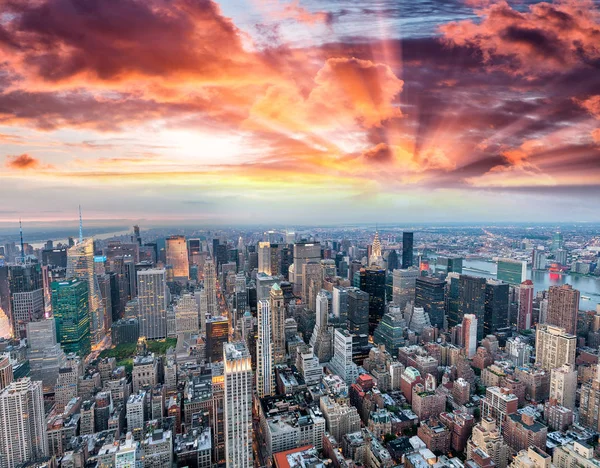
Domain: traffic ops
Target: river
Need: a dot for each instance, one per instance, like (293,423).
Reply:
(589,286)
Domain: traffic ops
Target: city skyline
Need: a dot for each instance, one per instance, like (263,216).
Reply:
(300,111)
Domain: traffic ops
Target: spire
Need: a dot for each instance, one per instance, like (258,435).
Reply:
(80,225)
(22,244)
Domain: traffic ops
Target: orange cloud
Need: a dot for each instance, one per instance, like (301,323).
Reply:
(549,37)
(518,156)
(22,162)
(592,105)
(296,11)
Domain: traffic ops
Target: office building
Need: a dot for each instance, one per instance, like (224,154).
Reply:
(407,250)
(430,295)
(358,311)
(25,289)
(554,347)
(404,285)
(511,271)
(525,314)
(538,259)
(496,306)
(277,309)
(186,314)
(390,331)
(372,281)
(320,340)
(217,333)
(341,362)
(6,371)
(340,419)
(72,316)
(265,375)
(153,300)
(308,364)
(238,405)
(80,264)
(472,300)
(563,304)
(177,257)
(23,435)
(469,329)
(45,355)
(453,312)
(304,252)
(210,289)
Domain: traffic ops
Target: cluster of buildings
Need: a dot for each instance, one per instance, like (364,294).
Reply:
(276,349)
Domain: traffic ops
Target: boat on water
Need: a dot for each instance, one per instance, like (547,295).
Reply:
(586,298)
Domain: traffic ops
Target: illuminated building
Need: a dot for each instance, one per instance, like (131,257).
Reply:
(177,257)
(277,306)
(80,264)
(238,405)
(217,333)
(469,328)
(265,375)
(71,313)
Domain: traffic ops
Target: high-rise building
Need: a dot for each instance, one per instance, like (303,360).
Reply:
(6,371)
(186,314)
(453,300)
(358,311)
(341,362)
(407,250)
(554,347)
(210,288)
(589,403)
(558,241)
(265,375)
(511,271)
(449,265)
(469,329)
(238,405)
(430,294)
(472,299)
(372,281)
(22,423)
(44,353)
(217,333)
(563,385)
(177,257)
(524,317)
(25,285)
(403,286)
(390,331)
(393,262)
(496,306)
(339,304)
(320,340)
(497,404)
(538,258)
(487,437)
(71,313)
(563,304)
(277,306)
(80,264)
(304,252)
(153,297)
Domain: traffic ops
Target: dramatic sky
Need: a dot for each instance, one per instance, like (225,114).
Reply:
(300,111)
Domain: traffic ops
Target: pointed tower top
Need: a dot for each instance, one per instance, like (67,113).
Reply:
(22,244)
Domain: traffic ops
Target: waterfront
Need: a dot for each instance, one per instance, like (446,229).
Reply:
(589,286)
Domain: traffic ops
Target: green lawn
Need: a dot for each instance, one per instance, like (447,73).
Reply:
(125,352)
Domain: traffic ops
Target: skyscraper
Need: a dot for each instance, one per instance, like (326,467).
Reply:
(44,353)
(217,333)
(238,405)
(453,299)
(563,385)
(80,264)
(320,340)
(524,317)
(22,423)
(511,271)
(210,288)
(372,281)
(430,294)
(277,306)
(265,375)
(71,313)
(472,299)
(153,300)
(403,286)
(177,257)
(469,329)
(496,306)
(558,241)
(563,304)
(25,287)
(392,260)
(358,311)
(407,250)
(304,252)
